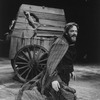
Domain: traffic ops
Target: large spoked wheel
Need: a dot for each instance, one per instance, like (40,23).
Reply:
(29,61)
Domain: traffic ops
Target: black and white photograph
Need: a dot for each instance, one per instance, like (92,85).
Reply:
(49,50)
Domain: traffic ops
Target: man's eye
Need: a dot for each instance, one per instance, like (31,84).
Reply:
(73,30)
(76,30)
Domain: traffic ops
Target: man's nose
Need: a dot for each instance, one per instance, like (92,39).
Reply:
(74,32)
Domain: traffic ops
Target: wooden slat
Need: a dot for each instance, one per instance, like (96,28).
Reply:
(13,46)
(42,9)
(27,26)
(49,33)
(43,22)
(27,34)
(18,43)
(42,15)
(22,20)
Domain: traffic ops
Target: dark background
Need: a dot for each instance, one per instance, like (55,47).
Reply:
(84,12)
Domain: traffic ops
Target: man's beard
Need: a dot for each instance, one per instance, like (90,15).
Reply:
(70,39)
(73,38)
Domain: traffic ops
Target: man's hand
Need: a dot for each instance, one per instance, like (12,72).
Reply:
(55,85)
(72,75)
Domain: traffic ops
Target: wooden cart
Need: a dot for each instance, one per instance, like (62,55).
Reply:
(29,54)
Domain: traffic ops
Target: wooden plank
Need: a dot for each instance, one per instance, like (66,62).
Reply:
(19,33)
(42,15)
(23,33)
(48,33)
(43,22)
(42,9)
(17,43)
(13,46)
(28,27)
(22,20)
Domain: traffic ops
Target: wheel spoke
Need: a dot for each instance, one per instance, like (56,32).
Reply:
(39,52)
(32,73)
(34,52)
(21,67)
(31,52)
(43,60)
(24,71)
(26,56)
(40,67)
(21,63)
(28,74)
(28,50)
(22,58)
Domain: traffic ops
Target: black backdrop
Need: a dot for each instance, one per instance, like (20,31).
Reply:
(84,12)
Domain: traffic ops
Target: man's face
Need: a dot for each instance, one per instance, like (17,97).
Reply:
(73,33)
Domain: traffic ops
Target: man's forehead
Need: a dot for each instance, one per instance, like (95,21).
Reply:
(73,28)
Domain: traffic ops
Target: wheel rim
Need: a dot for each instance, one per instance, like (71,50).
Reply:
(30,61)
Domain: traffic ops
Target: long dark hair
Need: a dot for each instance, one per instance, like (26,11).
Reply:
(70,25)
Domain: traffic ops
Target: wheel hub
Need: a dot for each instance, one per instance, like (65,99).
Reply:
(32,64)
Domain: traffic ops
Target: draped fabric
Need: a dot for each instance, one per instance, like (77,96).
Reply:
(57,51)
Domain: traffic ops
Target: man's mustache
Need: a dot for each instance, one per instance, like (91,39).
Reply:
(74,35)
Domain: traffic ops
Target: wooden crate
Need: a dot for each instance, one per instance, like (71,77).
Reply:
(52,22)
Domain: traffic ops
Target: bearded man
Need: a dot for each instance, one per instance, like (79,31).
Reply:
(52,83)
